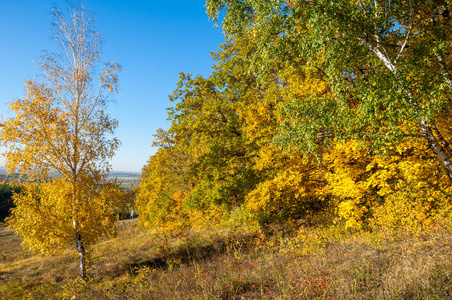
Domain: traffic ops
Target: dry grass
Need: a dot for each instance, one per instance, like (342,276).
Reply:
(313,263)
(9,245)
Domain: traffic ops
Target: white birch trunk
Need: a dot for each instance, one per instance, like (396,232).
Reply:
(425,127)
(81,251)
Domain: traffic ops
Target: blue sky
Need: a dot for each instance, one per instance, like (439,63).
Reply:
(152,40)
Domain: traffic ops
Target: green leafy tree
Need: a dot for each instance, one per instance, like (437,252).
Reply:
(205,158)
(386,63)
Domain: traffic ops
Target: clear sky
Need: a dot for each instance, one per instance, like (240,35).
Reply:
(152,40)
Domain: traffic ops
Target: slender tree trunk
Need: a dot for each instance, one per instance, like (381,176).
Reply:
(444,70)
(81,251)
(435,21)
(437,148)
(443,141)
(77,236)
(433,143)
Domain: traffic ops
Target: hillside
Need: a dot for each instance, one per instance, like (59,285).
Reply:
(311,263)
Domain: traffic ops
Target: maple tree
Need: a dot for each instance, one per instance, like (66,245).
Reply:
(61,129)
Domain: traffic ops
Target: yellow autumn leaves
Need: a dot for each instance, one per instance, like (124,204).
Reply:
(220,162)
(44,212)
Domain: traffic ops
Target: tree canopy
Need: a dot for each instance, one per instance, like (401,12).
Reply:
(384,62)
(313,108)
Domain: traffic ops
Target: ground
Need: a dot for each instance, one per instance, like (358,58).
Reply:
(302,263)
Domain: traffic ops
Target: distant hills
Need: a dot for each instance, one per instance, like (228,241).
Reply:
(113,174)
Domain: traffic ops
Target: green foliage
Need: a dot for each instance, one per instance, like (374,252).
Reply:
(328,107)
(6,198)
(384,63)
(206,154)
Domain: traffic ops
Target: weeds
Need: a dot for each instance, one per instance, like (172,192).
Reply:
(309,263)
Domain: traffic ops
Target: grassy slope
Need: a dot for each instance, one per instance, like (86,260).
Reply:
(312,263)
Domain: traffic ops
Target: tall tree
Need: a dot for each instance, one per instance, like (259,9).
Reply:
(386,63)
(61,127)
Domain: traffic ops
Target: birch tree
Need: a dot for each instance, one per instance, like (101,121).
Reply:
(61,127)
(387,64)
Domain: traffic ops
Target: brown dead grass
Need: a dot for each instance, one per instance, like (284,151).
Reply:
(10,247)
(318,263)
